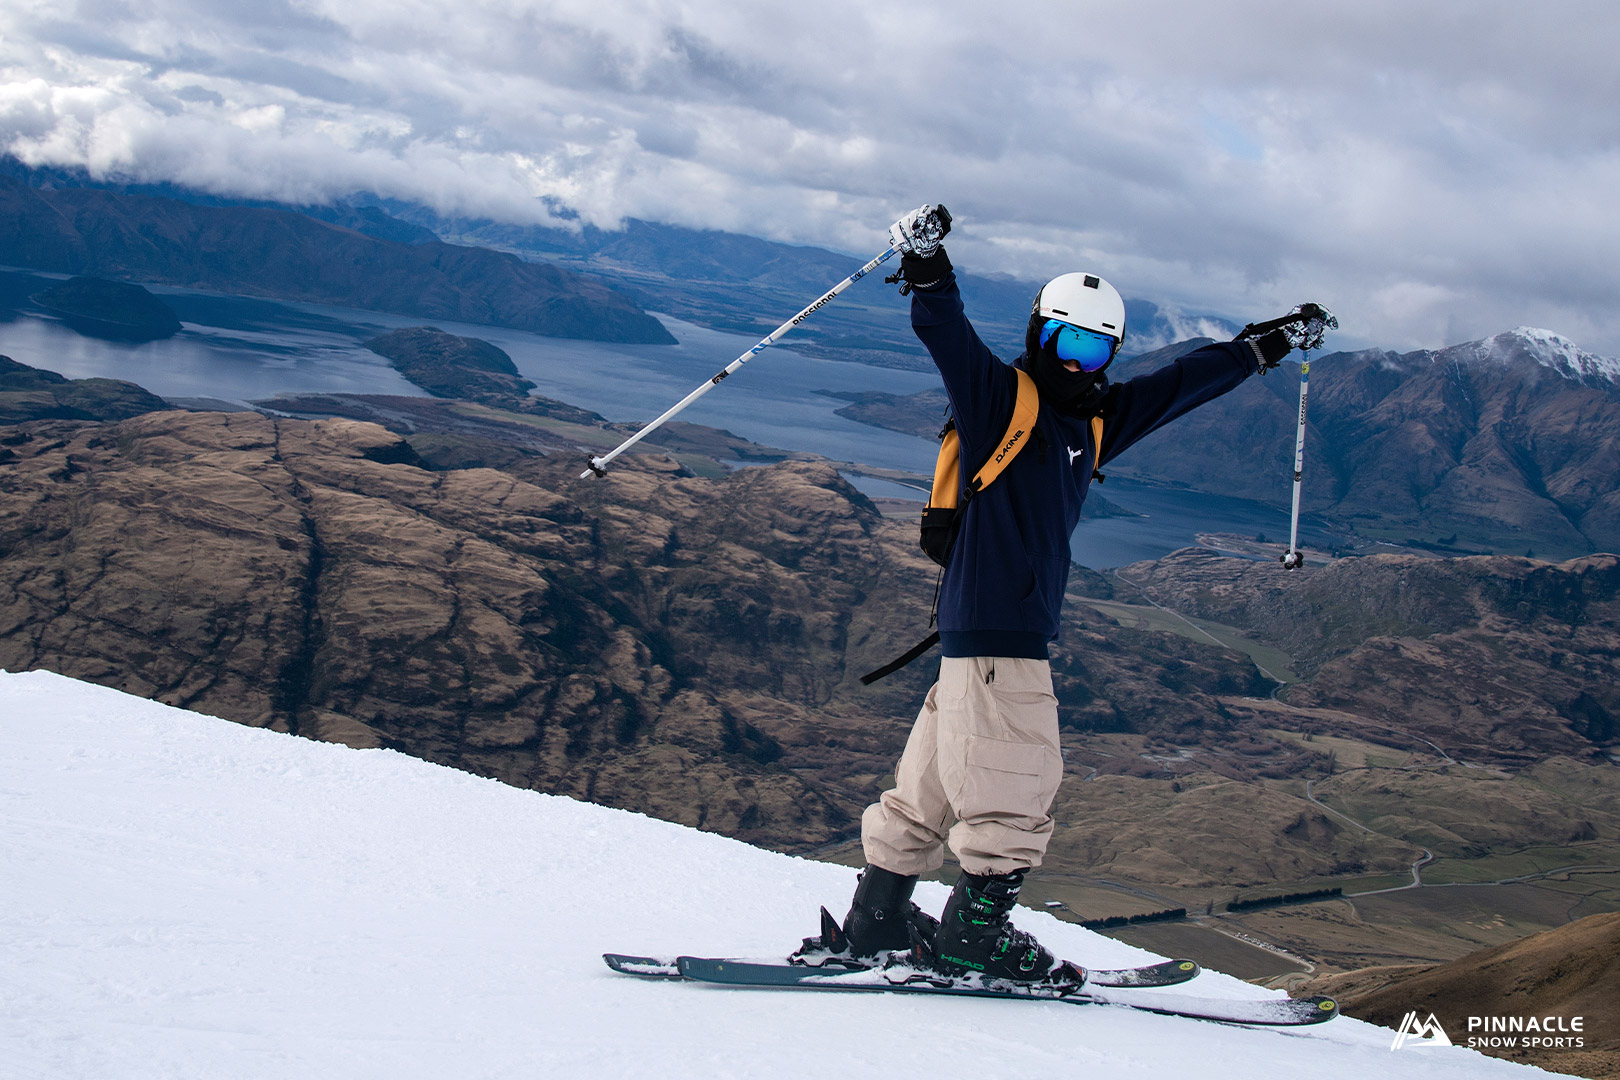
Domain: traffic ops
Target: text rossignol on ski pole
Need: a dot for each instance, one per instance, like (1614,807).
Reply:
(598,464)
(1293,558)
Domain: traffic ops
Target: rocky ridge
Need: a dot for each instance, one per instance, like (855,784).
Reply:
(28,393)
(1495,658)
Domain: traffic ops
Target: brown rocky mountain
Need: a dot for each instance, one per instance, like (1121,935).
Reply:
(451,366)
(265,252)
(1493,658)
(1573,971)
(111,309)
(28,393)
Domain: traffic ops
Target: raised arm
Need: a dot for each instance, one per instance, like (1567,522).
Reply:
(980,386)
(1146,403)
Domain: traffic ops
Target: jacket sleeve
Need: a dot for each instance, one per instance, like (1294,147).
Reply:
(980,386)
(1146,403)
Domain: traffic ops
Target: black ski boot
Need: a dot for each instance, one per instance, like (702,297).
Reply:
(975,934)
(881,919)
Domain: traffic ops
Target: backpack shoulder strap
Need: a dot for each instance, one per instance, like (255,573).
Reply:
(1025,411)
(1096,442)
(947,470)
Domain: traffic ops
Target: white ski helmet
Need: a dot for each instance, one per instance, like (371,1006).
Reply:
(1083,300)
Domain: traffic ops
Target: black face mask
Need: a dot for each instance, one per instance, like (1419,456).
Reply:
(1066,390)
(1075,393)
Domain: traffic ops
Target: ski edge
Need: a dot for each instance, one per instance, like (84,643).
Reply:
(1267,1012)
(1166,973)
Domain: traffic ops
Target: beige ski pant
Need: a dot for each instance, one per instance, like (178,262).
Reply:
(983,754)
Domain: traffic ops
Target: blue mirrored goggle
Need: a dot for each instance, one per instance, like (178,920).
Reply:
(1088,348)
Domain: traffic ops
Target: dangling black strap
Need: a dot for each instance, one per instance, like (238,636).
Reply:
(902,660)
(918,649)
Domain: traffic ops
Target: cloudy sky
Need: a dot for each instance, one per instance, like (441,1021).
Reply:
(1434,171)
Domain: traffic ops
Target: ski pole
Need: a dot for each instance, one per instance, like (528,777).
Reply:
(1293,558)
(597,464)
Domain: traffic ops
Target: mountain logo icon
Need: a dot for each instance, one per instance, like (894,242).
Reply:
(1414,1032)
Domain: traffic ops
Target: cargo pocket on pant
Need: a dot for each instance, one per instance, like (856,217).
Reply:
(1006,779)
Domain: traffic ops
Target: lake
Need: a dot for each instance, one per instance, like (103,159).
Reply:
(239,350)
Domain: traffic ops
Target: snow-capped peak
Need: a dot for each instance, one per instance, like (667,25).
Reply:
(1551,350)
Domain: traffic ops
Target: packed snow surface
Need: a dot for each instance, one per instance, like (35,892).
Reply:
(185,897)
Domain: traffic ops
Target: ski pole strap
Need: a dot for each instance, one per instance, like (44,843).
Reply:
(901,661)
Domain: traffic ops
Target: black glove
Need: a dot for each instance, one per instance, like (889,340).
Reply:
(1305,327)
(1269,349)
(919,273)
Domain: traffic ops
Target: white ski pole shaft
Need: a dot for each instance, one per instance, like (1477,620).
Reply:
(1294,557)
(598,464)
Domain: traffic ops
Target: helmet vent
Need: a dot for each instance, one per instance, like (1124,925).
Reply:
(1092,281)
(1060,311)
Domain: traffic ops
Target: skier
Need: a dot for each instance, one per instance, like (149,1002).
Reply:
(982,764)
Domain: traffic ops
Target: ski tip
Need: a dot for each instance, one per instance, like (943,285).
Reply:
(1164,973)
(654,967)
(1310,1010)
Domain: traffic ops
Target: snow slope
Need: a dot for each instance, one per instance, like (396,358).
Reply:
(185,897)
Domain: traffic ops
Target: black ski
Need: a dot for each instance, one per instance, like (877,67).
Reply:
(1273,1012)
(1166,973)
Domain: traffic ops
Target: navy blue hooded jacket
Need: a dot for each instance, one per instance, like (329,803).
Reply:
(1003,590)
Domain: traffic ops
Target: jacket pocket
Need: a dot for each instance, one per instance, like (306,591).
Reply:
(1039,608)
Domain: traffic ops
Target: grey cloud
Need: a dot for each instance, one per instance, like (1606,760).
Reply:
(672,139)
(1432,169)
(198,95)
